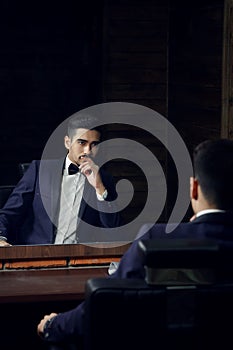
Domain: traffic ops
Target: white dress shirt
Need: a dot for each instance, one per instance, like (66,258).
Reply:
(71,195)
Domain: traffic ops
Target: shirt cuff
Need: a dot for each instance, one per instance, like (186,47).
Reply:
(47,326)
(103,196)
(3,238)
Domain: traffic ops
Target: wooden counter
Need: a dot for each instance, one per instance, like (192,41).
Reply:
(46,285)
(52,272)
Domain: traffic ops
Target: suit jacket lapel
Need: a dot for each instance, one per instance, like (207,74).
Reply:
(50,177)
(56,180)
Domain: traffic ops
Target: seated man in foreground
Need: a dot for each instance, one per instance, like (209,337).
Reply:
(211,194)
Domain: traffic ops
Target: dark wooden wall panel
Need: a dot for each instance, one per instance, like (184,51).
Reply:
(136,34)
(135,71)
(50,67)
(195,61)
(166,56)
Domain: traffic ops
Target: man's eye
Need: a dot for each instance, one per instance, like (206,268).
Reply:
(94,144)
(80,142)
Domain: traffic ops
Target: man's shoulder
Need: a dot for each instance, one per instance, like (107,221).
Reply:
(165,230)
(199,228)
(50,164)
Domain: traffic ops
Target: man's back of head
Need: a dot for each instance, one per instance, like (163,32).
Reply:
(213,169)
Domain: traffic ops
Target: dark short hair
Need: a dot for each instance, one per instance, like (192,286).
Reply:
(83,120)
(213,168)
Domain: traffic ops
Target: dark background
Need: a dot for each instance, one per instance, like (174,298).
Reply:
(50,67)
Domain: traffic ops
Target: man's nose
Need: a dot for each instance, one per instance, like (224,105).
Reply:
(87,149)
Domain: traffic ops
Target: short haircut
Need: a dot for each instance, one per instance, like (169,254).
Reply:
(83,120)
(213,168)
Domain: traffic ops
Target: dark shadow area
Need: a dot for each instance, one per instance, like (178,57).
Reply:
(50,67)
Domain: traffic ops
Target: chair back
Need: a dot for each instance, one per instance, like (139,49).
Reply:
(23,168)
(137,314)
(5,191)
(128,314)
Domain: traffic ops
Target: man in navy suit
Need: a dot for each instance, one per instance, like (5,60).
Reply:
(211,193)
(63,200)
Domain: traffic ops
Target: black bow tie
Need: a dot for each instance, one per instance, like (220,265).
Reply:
(73,169)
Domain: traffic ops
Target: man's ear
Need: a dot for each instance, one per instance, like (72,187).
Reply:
(193,188)
(67,142)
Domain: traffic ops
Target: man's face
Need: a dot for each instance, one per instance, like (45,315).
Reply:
(84,142)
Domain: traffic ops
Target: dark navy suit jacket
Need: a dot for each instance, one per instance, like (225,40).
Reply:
(217,226)
(31,212)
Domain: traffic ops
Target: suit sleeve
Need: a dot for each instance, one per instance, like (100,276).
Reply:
(131,264)
(109,214)
(15,209)
(66,326)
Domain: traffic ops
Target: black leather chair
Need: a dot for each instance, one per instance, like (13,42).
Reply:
(5,191)
(128,314)
(179,313)
(23,168)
